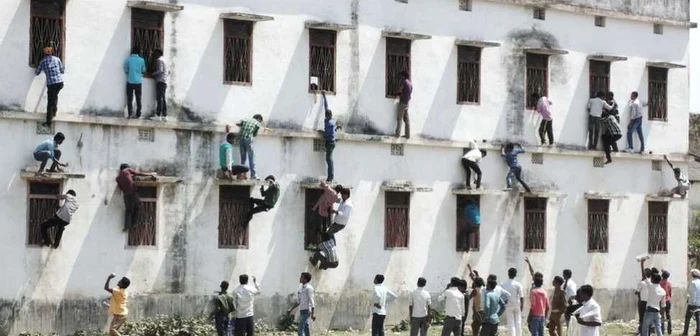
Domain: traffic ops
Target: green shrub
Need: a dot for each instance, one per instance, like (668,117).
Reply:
(171,326)
(286,323)
(402,326)
(438,317)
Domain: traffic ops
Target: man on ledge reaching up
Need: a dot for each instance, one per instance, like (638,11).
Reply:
(132,201)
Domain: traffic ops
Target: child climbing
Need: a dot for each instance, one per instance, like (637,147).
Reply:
(510,153)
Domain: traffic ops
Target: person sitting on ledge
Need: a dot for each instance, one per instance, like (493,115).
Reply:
(47,150)
(226,164)
(270,196)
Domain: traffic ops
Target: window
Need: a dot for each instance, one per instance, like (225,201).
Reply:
(465,5)
(658,79)
(46,28)
(537,73)
(658,29)
(598,225)
(144,233)
(397,149)
(656,165)
(147,134)
(322,58)
(537,158)
(147,33)
(535,224)
(42,206)
(234,205)
(600,21)
(468,74)
(238,47)
(598,162)
(658,227)
(539,13)
(314,224)
(396,220)
(463,228)
(599,77)
(398,59)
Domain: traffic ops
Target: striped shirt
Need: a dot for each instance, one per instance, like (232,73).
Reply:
(610,126)
(53,68)
(328,249)
(249,128)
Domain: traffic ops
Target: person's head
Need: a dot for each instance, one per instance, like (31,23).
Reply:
(492,277)
(345,194)
(71,192)
(491,284)
(224,286)
(538,280)
(270,178)
(378,279)
(329,114)
(123,166)
(512,273)
(655,270)
(124,283)
(585,293)
(634,95)
(157,53)
(566,274)
(135,50)
(243,279)
(557,282)
(454,282)
(258,117)
(610,95)
(305,278)
(665,275)
(462,285)
(647,273)
(677,172)
(695,273)
(535,97)
(404,75)
(422,282)
(483,153)
(600,94)
(655,278)
(230,137)
(339,189)
(478,283)
(48,50)
(509,147)
(59,137)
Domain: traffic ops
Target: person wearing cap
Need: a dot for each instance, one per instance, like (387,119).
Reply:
(270,196)
(693,302)
(54,70)
(47,150)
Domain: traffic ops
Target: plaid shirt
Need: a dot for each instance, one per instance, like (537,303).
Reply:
(328,249)
(249,128)
(53,68)
(610,126)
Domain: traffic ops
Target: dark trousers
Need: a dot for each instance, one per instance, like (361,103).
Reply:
(570,311)
(256,206)
(546,129)
(517,172)
(378,324)
(610,144)
(489,329)
(44,157)
(593,131)
(329,161)
(244,327)
(468,167)
(325,264)
(688,314)
(641,310)
(161,106)
(451,325)
(52,91)
(132,202)
(222,325)
(60,225)
(131,90)
(668,316)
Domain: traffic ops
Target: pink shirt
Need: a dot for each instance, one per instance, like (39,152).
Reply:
(326,201)
(666,285)
(539,302)
(544,108)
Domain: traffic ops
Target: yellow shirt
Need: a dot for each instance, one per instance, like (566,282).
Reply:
(117,305)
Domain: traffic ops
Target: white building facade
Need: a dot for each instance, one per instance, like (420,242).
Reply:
(473,64)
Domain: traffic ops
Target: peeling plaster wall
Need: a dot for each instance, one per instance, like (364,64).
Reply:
(61,289)
(667,9)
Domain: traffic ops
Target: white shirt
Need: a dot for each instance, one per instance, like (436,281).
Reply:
(70,205)
(683,184)
(381,296)
(636,109)
(515,290)
(306,297)
(656,297)
(344,211)
(643,289)
(244,298)
(596,105)
(570,288)
(454,302)
(420,300)
(589,312)
(502,293)
(474,154)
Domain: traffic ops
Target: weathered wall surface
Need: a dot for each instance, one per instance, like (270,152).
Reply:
(663,9)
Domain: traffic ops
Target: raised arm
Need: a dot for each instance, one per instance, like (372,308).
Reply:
(529,266)
(668,161)
(109,278)
(472,274)
(390,295)
(641,266)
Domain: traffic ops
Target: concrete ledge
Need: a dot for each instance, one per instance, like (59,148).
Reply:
(32,174)
(155,180)
(540,194)
(327,25)
(245,16)
(667,65)
(243,183)
(604,195)
(606,58)
(481,191)
(404,35)
(545,51)
(312,183)
(398,185)
(664,198)
(476,43)
(154,6)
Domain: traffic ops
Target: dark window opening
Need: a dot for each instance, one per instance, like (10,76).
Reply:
(658,227)
(234,205)
(322,58)
(398,59)
(144,232)
(468,74)
(598,213)
(396,220)
(43,205)
(463,228)
(313,222)
(599,77)
(658,96)
(535,224)
(46,29)
(238,47)
(537,77)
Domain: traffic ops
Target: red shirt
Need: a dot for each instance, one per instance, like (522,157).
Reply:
(666,285)
(125,181)
(539,302)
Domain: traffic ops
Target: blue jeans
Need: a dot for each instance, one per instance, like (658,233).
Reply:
(652,319)
(536,326)
(635,125)
(329,160)
(247,152)
(304,323)
(688,314)
(516,171)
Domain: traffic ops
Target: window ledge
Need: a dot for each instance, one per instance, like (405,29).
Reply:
(476,43)
(667,65)
(462,191)
(327,25)
(155,181)
(398,185)
(244,183)
(540,194)
(154,6)
(604,195)
(545,51)
(664,198)
(606,58)
(400,34)
(32,175)
(245,17)
(314,183)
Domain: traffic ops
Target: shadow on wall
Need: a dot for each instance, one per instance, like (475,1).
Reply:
(15,38)
(441,121)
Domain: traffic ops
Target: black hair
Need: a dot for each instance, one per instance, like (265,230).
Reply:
(600,94)
(586,289)
(224,286)
(124,283)
(271,178)
(59,136)
(158,52)
(136,50)
(655,278)
(479,282)
(665,274)
(677,170)
(635,93)
(538,281)
(654,270)
(512,273)
(567,274)
(345,191)
(258,117)
(491,284)
(454,281)
(422,282)
(492,277)
(123,166)
(463,283)
(558,280)
(243,279)
(483,153)
(509,147)
(647,272)
(379,279)
(329,112)
(339,188)
(611,95)
(230,137)
(306,275)
(71,192)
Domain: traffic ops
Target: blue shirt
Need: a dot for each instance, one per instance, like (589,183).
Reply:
(329,132)
(493,307)
(46,146)
(53,68)
(694,292)
(134,67)
(472,215)
(512,157)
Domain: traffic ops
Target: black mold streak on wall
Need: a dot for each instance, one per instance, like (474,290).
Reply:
(289,124)
(354,80)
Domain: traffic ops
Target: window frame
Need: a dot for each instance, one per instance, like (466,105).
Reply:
(664,215)
(527,211)
(62,44)
(249,39)
(653,85)
(156,221)
(161,30)
(528,69)
(311,215)
(466,63)
(222,224)
(30,197)
(387,206)
(475,244)
(387,57)
(593,211)
(593,75)
(334,48)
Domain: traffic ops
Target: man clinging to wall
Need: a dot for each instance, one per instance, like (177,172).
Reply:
(60,220)
(132,201)
(270,193)
(53,68)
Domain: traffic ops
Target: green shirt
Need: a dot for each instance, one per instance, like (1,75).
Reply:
(249,128)
(271,194)
(224,305)
(223,155)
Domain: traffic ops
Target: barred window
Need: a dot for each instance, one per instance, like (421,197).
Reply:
(658,227)
(599,77)
(143,233)
(463,228)
(314,224)
(658,102)
(46,28)
(43,204)
(234,205)
(468,74)
(322,58)
(537,77)
(398,59)
(598,225)
(396,220)
(238,47)
(147,33)
(535,224)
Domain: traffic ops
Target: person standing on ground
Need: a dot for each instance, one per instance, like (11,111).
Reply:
(611,132)
(224,306)
(570,290)
(504,294)
(636,108)
(132,201)
(60,220)
(539,306)
(544,108)
(54,70)
(693,309)
(454,308)
(134,67)
(493,309)
(419,309)
(329,130)
(558,308)
(306,305)
(47,150)
(596,105)
(588,316)
(249,128)
(470,161)
(514,307)
(656,307)
(510,153)
(666,285)
(270,196)
(226,163)
(463,289)
(683,184)
(117,304)
(342,215)
(404,98)
(244,301)
(381,296)
(160,74)
(643,294)
(476,296)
